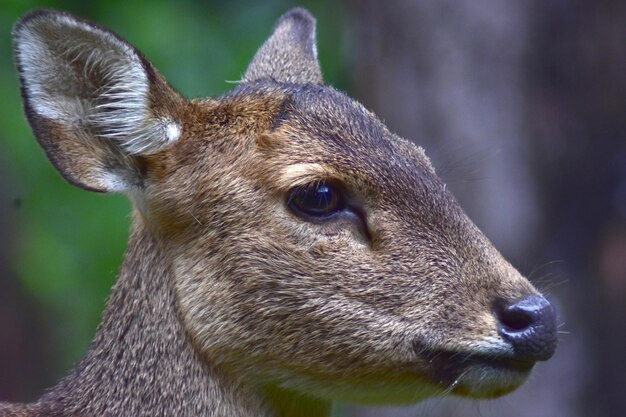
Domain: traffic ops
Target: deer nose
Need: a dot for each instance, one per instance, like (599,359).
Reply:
(529,325)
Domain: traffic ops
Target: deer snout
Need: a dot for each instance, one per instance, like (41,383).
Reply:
(529,325)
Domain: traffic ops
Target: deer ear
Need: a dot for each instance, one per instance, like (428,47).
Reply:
(290,53)
(94,103)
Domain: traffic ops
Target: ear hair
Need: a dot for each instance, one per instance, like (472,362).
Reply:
(290,53)
(91,96)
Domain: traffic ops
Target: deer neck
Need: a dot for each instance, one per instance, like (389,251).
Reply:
(141,362)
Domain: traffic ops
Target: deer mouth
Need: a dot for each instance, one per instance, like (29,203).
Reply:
(492,361)
(478,375)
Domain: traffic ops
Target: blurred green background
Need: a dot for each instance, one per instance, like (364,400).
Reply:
(66,244)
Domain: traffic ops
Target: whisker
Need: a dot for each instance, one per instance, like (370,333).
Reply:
(196,219)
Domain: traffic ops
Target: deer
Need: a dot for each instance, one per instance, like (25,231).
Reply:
(286,249)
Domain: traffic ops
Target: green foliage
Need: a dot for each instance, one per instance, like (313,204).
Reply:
(70,242)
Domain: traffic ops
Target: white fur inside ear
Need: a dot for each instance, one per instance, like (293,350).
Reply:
(87,78)
(114,182)
(173,131)
(124,114)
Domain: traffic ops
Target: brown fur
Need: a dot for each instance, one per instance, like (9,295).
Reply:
(230,305)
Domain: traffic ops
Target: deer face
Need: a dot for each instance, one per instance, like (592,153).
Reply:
(333,259)
(310,248)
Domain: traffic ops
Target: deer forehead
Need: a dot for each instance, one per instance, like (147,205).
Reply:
(283,136)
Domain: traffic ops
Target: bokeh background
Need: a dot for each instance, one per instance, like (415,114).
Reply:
(521,105)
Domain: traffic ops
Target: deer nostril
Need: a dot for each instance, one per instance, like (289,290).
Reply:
(516,320)
(529,325)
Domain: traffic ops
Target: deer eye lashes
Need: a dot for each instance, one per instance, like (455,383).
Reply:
(318,200)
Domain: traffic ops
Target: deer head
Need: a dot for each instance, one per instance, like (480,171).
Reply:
(307,248)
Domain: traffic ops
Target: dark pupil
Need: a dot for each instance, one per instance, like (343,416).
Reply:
(317,200)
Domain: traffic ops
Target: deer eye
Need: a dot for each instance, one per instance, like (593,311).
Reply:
(318,200)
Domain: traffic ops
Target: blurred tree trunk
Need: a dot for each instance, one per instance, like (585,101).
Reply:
(577,110)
